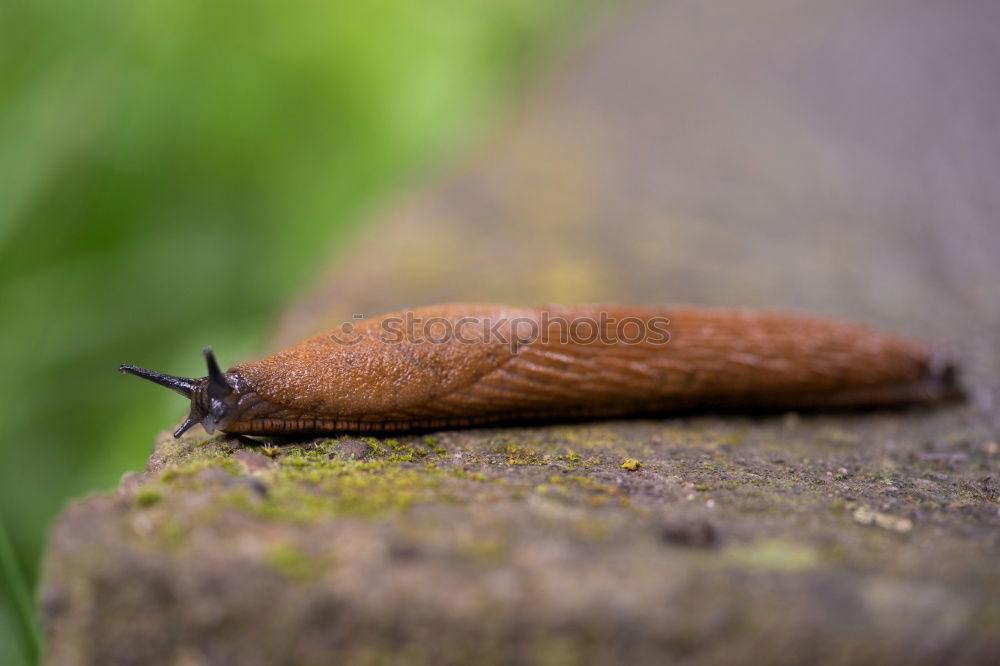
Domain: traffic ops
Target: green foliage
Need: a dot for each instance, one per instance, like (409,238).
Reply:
(171,172)
(15,609)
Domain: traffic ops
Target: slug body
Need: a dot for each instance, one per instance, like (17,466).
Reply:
(466,364)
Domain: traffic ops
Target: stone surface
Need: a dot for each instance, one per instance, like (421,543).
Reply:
(831,157)
(831,539)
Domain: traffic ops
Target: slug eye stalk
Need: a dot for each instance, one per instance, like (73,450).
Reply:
(180,385)
(218,387)
(188,424)
(209,395)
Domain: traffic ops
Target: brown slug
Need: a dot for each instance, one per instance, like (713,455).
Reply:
(470,364)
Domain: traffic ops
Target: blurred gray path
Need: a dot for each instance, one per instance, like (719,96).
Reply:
(836,157)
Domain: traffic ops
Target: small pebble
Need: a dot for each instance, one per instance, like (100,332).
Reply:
(352,449)
(54,602)
(215,476)
(256,486)
(129,483)
(695,534)
(404,551)
(253,462)
(866,516)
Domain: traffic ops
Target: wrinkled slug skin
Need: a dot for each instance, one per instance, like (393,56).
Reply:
(715,359)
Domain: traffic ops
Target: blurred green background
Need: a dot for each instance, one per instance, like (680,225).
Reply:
(170,173)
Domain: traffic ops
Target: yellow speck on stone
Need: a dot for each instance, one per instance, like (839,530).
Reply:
(631,464)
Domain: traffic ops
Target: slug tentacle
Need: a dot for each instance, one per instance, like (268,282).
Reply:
(214,399)
(188,424)
(180,385)
(218,387)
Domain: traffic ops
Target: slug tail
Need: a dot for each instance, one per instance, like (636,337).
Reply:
(180,385)
(943,374)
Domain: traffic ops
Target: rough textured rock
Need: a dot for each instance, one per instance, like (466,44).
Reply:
(832,539)
(835,157)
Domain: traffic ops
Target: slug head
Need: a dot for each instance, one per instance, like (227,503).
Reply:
(214,398)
